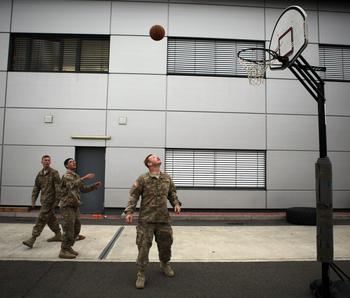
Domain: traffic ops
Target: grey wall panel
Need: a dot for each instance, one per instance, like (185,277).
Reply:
(337,98)
(341,199)
(339,6)
(2,88)
(86,17)
(2,114)
(124,165)
(4,48)
(27,127)
(216,21)
(0,168)
(291,170)
(272,16)
(289,97)
(138,54)
(215,130)
(198,199)
(309,4)
(310,54)
(195,93)
(288,199)
(15,157)
(145,92)
(340,169)
(221,199)
(137,18)
(16,196)
(224,2)
(143,129)
(57,90)
(338,133)
(116,198)
(334,28)
(292,132)
(5,15)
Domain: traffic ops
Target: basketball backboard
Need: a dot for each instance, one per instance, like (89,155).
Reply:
(289,37)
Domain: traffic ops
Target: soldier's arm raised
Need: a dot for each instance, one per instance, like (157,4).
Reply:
(88,188)
(36,191)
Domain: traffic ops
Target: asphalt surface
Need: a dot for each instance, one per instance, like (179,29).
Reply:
(109,279)
(282,279)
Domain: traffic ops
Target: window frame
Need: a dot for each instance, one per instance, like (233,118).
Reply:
(254,43)
(60,38)
(256,188)
(334,46)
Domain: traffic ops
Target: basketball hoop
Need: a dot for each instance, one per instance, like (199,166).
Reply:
(255,62)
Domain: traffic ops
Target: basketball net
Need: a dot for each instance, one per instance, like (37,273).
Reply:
(256,62)
(255,71)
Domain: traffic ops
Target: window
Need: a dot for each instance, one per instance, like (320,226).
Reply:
(57,52)
(216,168)
(207,56)
(336,59)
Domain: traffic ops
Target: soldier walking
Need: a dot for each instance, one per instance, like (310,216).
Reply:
(71,186)
(155,189)
(47,182)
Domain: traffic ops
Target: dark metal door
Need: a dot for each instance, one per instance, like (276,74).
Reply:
(91,160)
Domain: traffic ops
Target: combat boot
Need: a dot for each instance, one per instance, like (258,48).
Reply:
(141,279)
(72,251)
(29,242)
(56,238)
(65,254)
(167,270)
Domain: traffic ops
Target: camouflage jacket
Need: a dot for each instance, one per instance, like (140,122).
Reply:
(49,185)
(71,186)
(155,193)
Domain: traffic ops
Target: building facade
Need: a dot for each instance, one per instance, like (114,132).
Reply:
(81,75)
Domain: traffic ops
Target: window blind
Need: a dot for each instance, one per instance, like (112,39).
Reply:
(206,56)
(56,52)
(216,168)
(336,59)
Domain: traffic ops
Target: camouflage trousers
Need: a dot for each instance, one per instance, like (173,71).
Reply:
(164,238)
(46,217)
(71,226)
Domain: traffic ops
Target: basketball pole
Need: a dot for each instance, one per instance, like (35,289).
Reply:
(324,201)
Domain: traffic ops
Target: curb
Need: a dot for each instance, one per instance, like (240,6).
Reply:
(187,216)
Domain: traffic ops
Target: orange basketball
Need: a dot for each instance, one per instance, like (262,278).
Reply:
(157,32)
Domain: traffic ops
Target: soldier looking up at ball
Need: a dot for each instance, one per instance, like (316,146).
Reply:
(156,189)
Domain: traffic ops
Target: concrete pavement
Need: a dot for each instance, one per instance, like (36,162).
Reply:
(191,243)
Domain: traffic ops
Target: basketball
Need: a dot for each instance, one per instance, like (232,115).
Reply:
(157,32)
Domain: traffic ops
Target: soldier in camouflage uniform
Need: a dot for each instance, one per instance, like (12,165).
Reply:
(71,187)
(155,189)
(48,183)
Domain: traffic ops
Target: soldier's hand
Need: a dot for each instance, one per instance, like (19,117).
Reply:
(88,176)
(98,183)
(32,207)
(177,209)
(128,218)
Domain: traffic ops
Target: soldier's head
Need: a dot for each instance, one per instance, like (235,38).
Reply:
(70,164)
(46,161)
(152,161)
